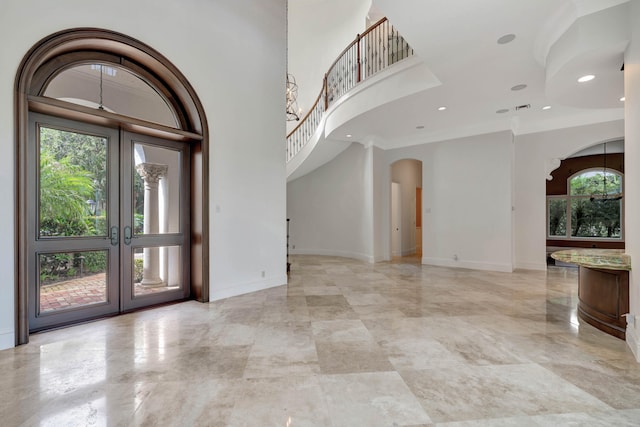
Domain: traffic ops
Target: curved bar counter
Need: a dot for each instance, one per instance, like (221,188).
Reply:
(603,287)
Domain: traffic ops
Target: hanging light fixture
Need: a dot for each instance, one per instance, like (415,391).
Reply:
(103,70)
(101,105)
(605,196)
(291,91)
(293,111)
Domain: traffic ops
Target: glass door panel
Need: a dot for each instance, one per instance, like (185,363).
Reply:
(169,272)
(72,188)
(155,194)
(73,279)
(72,183)
(157,176)
(107,221)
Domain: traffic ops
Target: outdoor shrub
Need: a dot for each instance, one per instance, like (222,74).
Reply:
(138,266)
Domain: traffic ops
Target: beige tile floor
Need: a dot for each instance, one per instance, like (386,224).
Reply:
(344,344)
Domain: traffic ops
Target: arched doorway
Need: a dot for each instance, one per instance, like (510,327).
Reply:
(107,189)
(406,208)
(584,200)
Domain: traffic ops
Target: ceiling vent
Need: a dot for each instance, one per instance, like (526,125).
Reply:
(523,107)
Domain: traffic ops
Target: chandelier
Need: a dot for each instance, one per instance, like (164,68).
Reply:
(606,196)
(293,111)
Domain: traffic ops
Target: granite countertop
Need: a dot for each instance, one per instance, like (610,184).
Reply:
(607,259)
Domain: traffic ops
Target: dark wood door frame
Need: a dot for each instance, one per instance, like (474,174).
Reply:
(67,48)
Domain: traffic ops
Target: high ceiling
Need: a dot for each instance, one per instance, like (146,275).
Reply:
(556,42)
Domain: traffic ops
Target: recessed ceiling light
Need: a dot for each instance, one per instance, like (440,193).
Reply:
(349,135)
(502,111)
(546,107)
(507,38)
(442,108)
(419,127)
(622,99)
(586,78)
(519,87)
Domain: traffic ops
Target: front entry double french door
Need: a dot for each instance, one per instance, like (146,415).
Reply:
(107,221)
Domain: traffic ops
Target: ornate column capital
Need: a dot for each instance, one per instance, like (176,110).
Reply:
(152,172)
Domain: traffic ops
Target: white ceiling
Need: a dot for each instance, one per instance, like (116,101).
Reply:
(556,42)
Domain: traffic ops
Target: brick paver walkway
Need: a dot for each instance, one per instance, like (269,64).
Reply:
(85,290)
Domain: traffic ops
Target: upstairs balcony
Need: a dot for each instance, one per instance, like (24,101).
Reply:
(380,58)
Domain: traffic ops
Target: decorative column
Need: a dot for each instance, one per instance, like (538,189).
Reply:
(151,173)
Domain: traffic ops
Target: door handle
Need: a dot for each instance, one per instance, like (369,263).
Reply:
(127,235)
(114,235)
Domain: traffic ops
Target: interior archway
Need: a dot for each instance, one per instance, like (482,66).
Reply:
(406,208)
(582,214)
(70,48)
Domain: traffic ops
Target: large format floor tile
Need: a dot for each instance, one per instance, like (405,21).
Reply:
(345,343)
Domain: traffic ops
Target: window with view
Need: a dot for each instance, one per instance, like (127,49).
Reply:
(592,208)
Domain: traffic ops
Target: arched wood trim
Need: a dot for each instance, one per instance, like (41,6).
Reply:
(67,48)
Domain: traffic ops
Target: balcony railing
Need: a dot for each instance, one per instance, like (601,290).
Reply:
(371,52)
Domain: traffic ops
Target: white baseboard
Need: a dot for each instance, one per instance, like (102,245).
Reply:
(344,254)
(245,288)
(471,265)
(531,266)
(633,335)
(379,258)
(410,251)
(7,339)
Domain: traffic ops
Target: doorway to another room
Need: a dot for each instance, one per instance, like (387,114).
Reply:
(406,210)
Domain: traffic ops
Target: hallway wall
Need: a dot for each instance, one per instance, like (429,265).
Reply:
(466,203)
(534,155)
(467,197)
(330,208)
(466,200)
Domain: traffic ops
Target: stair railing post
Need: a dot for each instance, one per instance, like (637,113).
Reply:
(359,78)
(326,94)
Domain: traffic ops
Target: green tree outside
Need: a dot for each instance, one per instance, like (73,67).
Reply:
(64,189)
(594,208)
(72,172)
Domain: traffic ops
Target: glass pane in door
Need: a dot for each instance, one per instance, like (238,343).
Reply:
(68,280)
(72,184)
(155,250)
(156,190)
(157,269)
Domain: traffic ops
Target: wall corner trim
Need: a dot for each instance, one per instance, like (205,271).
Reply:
(633,337)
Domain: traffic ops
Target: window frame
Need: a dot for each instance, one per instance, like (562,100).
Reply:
(568,199)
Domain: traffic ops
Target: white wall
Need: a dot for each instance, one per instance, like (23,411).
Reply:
(330,208)
(408,173)
(490,172)
(233,53)
(318,32)
(381,203)
(632,175)
(533,155)
(466,200)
